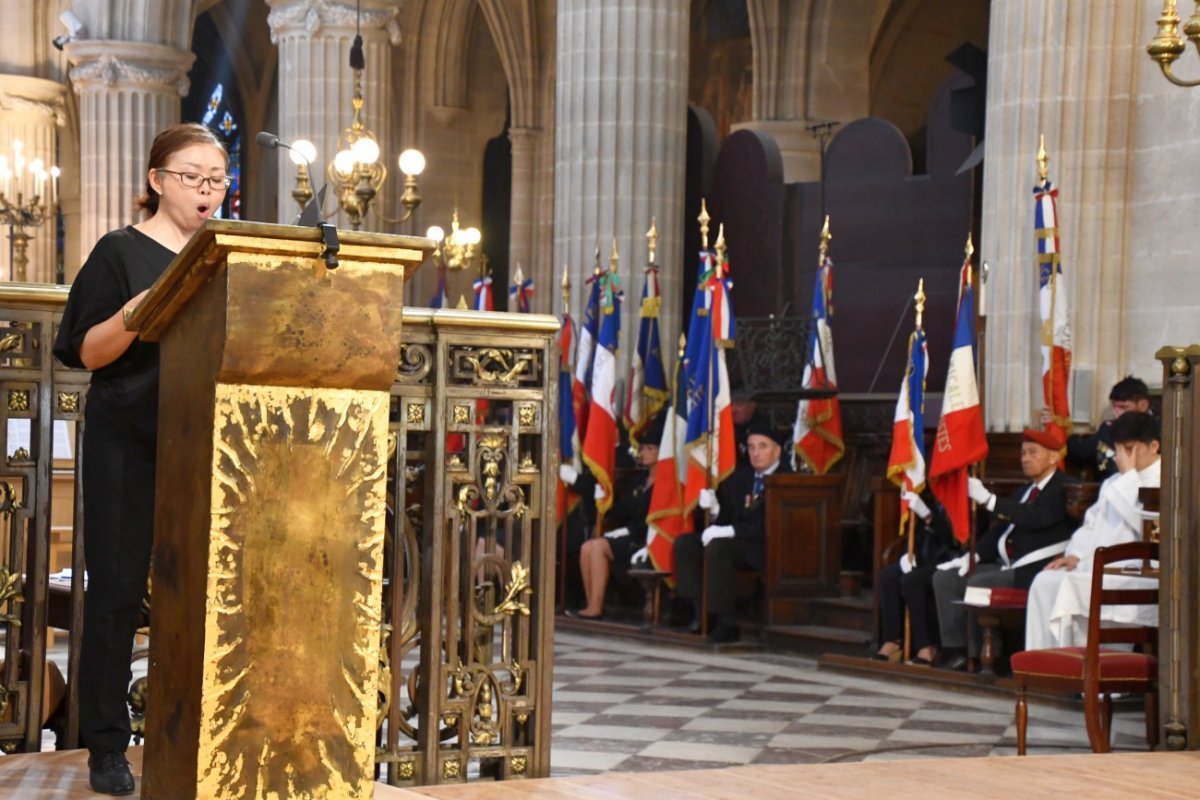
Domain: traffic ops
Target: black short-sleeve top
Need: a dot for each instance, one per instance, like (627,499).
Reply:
(123,263)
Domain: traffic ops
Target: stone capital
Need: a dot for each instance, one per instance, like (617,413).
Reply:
(524,138)
(312,16)
(99,64)
(19,93)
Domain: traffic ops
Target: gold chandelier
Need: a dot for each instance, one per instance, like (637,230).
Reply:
(1167,46)
(36,200)
(457,250)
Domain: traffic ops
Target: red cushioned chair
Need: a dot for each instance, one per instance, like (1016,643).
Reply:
(1095,671)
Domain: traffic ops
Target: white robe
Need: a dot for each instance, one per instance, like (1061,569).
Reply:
(1056,614)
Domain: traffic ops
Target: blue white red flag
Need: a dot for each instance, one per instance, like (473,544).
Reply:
(600,441)
(483,293)
(647,391)
(439,299)
(667,518)
(568,436)
(906,463)
(961,439)
(711,446)
(581,386)
(817,432)
(1055,312)
(520,293)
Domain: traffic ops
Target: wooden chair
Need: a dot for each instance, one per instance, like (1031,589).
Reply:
(1095,671)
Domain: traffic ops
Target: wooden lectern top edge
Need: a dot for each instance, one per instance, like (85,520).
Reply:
(192,266)
(1177,352)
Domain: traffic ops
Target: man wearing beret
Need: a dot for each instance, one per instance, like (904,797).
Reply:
(737,537)
(1029,529)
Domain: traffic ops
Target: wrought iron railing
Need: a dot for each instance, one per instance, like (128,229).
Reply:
(468,596)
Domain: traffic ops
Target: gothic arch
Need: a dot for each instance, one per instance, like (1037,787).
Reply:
(513,25)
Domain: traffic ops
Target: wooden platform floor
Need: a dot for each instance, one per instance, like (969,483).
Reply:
(1145,776)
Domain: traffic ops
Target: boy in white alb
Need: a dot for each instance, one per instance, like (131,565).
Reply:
(1053,616)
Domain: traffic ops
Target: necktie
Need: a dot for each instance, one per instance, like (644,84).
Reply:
(1033,493)
(758,484)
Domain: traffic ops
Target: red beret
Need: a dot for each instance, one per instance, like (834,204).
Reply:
(1051,439)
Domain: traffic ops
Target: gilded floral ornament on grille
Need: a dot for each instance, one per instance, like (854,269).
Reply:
(10,592)
(518,584)
(10,342)
(18,399)
(8,495)
(494,365)
(416,362)
(68,402)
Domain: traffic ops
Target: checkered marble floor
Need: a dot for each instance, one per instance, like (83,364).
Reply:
(628,706)
(623,705)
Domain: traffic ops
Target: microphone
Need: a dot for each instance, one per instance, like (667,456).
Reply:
(312,214)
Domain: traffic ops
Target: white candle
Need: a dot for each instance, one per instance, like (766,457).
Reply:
(54,173)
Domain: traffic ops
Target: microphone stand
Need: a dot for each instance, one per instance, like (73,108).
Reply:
(314,212)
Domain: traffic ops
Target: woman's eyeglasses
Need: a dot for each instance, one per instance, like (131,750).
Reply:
(193,180)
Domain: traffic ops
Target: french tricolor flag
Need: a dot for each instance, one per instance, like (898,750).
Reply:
(666,517)
(600,444)
(483,293)
(906,463)
(961,439)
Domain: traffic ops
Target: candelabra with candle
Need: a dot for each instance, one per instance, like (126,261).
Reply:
(457,249)
(24,202)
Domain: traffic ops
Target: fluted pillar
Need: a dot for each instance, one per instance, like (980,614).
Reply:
(316,85)
(128,92)
(621,144)
(1071,72)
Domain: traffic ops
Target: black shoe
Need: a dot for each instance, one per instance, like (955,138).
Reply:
(957,663)
(724,633)
(109,774)
(580,615)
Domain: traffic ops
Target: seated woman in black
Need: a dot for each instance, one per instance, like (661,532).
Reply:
(909,584)
(627,534)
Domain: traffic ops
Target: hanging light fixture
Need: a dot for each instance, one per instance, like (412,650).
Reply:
(356,171)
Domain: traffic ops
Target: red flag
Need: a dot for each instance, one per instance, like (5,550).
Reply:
(817,432)
(961,439)
(666,517)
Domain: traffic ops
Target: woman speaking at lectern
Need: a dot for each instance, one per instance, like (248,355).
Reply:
(186,181)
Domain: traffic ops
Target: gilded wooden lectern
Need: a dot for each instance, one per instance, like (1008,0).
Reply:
(269,522)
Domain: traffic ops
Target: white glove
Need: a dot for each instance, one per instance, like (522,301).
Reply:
(599,493)
(916,504)
(568,474)
(619,533)
(708,501)
(962,564)
(978,492)
(640,557)
(716,532)
(906,564)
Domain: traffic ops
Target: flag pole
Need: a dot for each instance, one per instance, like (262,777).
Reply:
(911,533)
(562,551)
(972,470)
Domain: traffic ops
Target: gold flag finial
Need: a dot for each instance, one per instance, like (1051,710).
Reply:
(969,251)
(682,344)
(518,276)
(613,258)
(1043,159)
(566,290)
(652,240)
(462,302)
(826,238)
(703,219)
(720,248)
(919,297)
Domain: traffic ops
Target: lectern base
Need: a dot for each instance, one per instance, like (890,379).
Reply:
(64,776)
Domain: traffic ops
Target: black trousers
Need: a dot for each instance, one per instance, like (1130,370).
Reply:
(722,558)
(913,591)
(118,519)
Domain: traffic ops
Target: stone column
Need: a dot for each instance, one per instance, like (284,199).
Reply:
(521,246)
(316,85)
(621,145)
(128,92)
(1070,73)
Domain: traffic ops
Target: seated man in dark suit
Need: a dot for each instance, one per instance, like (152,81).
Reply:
(737,537)
(1029,529)
(1097,449)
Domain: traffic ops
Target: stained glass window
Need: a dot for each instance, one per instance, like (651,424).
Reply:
(219,116)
